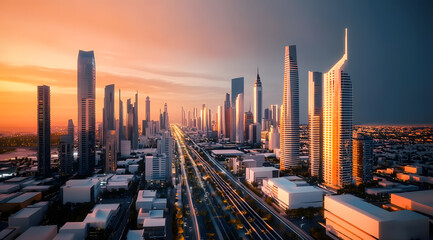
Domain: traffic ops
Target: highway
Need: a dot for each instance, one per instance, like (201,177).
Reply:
(240,202)
(192,208)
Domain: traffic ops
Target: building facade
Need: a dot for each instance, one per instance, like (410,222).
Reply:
(289,129)
(44,131)
(315,131)
(337,125)
(86,81)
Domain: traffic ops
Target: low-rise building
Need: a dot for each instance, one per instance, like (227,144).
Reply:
(257,174)
(47,232)
(292,194)
(101,214)
(350,217)
(25,218)
(21,201)
(80,190)
(154,228)
(419,201)
(78,230)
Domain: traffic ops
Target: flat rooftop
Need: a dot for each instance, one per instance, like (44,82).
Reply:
(147,193)
(154,222)
(25,212)
(373,211)
(423,197)
(74,225)
(263,169)
(24,197)
(292,187)
(16,179)
(81,182)
(42,232)
(228,152)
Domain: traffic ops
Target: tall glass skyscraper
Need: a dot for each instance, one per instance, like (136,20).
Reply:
(289,137)
(337,124)
(44,131)
(86,80)
(108,122)
(362,158)
(258,99)
(315,105)
(237,88)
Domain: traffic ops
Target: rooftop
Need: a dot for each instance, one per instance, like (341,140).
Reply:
(154,222)
(82,182)
(42,232)
(24,197)
(74,225)
(263,169)
(371,210)
(291,187)
(16,179)
(25,212)
(423,197)
(228,152)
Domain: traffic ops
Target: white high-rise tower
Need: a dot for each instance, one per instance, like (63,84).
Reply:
(289,126)
(337,124)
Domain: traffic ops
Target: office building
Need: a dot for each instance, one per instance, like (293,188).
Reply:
(274,138)
(258,99)
(111,151)
(220,120)
(237,88)
(362,158)
(120,128)
(86,81)
(350,217)
(132,122)
(248,120)
(71,131)
(315,132)
(108,121)
(337,125)
(257,174)
(147,109)
(227,116)
(44,131)
(240,118)
(254,134)
(66,154)
(289,129)
(80,190)
(292,192)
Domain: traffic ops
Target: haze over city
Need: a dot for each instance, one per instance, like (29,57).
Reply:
(185,53)
(253,120)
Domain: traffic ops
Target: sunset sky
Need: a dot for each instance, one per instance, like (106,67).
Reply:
(185,53)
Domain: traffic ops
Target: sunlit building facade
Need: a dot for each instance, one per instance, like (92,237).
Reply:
(237,88)
(86,81)
(337,125)
(240,118)
(362,158)
(258,99)
(289,137)
(315,104)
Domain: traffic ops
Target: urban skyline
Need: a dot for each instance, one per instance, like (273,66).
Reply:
(193,145)
(193,81)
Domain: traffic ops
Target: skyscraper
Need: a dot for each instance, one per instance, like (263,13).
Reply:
(132,122)
(240,118)
(44,131)
(71,129)
(258,99)
(121,133)
(220,120)
(86,80)
(165,116)
(66,151)
(248,120)
(337,124)
(108,122)
(147,109)
(237,88)
(227,116)
(289,137)
(315,105)
(362,158)
(111,151)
